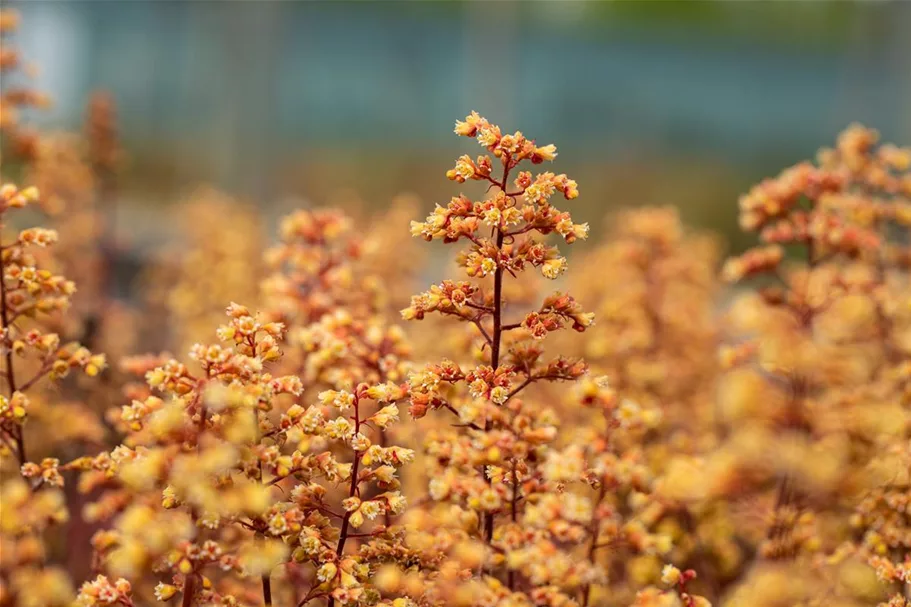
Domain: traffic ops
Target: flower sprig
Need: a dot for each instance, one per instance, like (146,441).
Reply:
(490,465)
(28,295)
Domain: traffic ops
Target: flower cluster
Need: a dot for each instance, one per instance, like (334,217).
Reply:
(33,357)
(30,296)
(311,266)
(883,517)
(353,364)
(188,467)
(246,474)
(814,380)
(216,261)
(497,477)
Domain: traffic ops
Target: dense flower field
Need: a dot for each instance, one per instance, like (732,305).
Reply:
(665,429)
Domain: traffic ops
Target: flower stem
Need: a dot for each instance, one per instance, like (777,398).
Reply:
(189,589)
(267,591)
(10,373)
(495,340)
(343,535)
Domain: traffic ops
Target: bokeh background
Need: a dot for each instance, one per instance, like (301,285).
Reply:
(284,103)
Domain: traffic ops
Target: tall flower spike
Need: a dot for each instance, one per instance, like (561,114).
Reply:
(492,467)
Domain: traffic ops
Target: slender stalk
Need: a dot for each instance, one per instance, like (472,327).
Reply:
(189,589)
(786,492)
(267,591)
(514,516)
(352,491)
(266,578)
(497,310)
(189,584)
(496,336)
(10,371)
(384,442)
(593,545)
(498,287)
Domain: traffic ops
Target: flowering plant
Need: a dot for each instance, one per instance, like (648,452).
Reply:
(746,445)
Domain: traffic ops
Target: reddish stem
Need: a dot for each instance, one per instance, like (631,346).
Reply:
(497,335)
(189,589)
(10,372)
(343,535)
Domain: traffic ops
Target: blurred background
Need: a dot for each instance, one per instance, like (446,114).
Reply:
(281,103)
